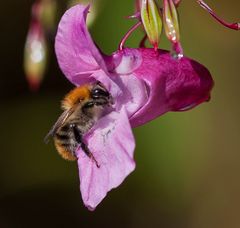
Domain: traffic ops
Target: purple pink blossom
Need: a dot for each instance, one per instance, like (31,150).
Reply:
(144,83)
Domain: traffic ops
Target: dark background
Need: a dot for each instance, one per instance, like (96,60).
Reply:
(188,164)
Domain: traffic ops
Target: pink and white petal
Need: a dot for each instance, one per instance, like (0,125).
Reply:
(76,52)
(122,64)
(112,145)
(112,87)
(134,93)
(127,90)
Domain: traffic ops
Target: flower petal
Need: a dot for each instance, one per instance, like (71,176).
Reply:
(121,66)
(76,52)
(174,84)
(112,145)
(166,83)
(82,63)
(134,94)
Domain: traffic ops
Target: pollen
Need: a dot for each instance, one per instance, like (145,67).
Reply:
(76,96)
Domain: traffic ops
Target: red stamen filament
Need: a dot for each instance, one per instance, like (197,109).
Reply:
(235,26)
(124,39)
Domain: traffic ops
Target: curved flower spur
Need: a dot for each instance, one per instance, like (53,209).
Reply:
(144,83)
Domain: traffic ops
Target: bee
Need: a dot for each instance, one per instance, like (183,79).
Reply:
(83,107)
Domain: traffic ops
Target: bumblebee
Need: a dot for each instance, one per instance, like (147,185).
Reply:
(83,106)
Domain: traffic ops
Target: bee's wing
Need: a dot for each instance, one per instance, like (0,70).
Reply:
(58,124)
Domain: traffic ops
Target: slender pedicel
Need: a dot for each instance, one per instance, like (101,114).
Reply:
(235,26)
(137,15)
(131,30)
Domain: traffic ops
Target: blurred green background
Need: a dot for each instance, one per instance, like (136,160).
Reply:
(188,164)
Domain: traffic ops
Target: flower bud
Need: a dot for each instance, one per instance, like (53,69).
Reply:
(170,21)
(47,14)
(152,21)
(35,55)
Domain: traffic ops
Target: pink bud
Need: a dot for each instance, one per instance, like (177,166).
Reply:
(35,54)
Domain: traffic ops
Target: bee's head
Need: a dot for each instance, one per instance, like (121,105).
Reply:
(100,95)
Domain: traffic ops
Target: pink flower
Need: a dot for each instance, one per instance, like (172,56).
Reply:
(144,84)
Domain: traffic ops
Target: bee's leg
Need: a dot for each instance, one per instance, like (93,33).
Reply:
(88,153)
(79,139)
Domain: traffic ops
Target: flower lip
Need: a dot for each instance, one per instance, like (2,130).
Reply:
(112,144)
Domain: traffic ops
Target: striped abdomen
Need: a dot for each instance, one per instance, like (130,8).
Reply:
(65,143)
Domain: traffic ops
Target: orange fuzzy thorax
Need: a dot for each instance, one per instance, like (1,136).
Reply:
(75,96)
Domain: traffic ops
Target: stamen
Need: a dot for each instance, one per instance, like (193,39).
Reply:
(124,39)
(235,26)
